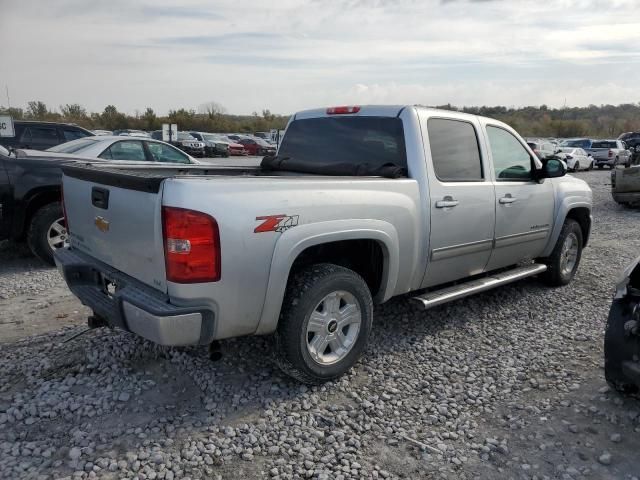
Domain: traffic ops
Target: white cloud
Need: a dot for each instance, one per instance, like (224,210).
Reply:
(294,54)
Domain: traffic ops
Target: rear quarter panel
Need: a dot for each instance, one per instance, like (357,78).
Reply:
(253,280)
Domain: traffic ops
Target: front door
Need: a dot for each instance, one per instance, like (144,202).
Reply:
(461,201)
(524,206)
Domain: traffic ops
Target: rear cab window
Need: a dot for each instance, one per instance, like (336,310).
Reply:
(455,150)
(327,141)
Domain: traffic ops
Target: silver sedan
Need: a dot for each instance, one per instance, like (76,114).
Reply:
(137,149)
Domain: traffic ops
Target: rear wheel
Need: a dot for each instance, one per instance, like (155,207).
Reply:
(563,262)
(325,322)
(47,232)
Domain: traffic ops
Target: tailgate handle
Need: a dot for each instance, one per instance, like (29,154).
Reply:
(100,197)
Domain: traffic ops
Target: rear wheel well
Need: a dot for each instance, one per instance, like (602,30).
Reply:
(365,257)
(582,215)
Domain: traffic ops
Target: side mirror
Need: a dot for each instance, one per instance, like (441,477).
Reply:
(553,168)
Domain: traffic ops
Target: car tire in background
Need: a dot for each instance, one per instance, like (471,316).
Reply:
(620,346)
(47,231)
(563,262)
(325,322)
(576,167)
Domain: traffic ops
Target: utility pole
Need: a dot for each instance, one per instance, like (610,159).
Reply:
(8,100)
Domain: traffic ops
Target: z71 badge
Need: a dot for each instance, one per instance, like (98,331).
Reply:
(276,223)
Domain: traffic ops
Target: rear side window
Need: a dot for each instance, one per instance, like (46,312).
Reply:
(375,141)
(47,135)
(454,150)
(128,150)
(73,134)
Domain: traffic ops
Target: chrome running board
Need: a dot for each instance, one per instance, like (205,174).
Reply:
(448,294)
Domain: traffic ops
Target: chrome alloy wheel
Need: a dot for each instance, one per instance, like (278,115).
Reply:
(57,236)
(333,327)
(569,254)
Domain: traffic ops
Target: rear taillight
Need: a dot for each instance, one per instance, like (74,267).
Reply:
(342,110)
(191,246)
(610,153)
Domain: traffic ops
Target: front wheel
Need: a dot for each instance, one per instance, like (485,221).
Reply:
(563,262)
(47,232)
(576,168)
(325,322)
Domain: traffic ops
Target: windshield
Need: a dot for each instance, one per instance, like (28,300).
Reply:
(375,141)
(73,146)
(581,143)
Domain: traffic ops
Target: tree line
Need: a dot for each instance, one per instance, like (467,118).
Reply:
(541,121)
(210,117)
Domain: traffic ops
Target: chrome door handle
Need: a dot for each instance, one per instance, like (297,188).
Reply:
(507,199)
(447,202)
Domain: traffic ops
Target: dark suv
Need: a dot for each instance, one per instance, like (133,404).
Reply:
(632,142)
(42,135)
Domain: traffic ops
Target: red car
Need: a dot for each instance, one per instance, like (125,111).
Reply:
(236,149)
(257,146)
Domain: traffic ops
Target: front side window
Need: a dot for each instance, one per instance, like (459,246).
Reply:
(454,150)
(128,150)
(166,153)
(511,161)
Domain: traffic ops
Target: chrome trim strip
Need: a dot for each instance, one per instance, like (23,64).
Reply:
(462,249)
(514,239)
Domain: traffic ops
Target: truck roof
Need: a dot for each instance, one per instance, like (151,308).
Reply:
(381,111)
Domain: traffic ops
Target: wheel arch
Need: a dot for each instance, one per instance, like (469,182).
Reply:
(579,211)
(34,201)
(321,241)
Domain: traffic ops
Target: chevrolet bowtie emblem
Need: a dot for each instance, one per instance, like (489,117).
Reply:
(102,224)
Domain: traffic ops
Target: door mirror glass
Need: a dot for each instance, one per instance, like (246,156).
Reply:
(553,168)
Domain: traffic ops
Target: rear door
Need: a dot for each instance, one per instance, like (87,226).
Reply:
(461,200)
(524,207)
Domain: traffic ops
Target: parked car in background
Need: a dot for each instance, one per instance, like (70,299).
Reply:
(213,146)
(610,153)
(577,158)
(128,132)
(30,191)
(625,186)
(185,142)
(605,152)
(622,334)
(235,148)
(257,146)
(42,135)
(542,148)
(632,142)
(115,147)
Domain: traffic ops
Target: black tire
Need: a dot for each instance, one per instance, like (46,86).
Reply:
(554,276)
(591,166)
(576,167)
(305,290)
(619,347)
(600,167)
(38,233)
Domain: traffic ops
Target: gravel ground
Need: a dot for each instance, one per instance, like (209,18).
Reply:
(506,384)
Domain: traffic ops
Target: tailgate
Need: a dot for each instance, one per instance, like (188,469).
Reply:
(117,222)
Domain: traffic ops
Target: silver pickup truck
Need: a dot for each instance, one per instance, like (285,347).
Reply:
(359,205)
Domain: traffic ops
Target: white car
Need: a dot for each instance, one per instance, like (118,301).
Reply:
(577,159)
(137,149)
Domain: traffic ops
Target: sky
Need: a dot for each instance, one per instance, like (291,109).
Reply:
(289,55)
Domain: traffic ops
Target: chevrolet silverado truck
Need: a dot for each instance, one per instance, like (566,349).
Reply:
(359,205)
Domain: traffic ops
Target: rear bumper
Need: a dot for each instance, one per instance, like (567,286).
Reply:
(126,303)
